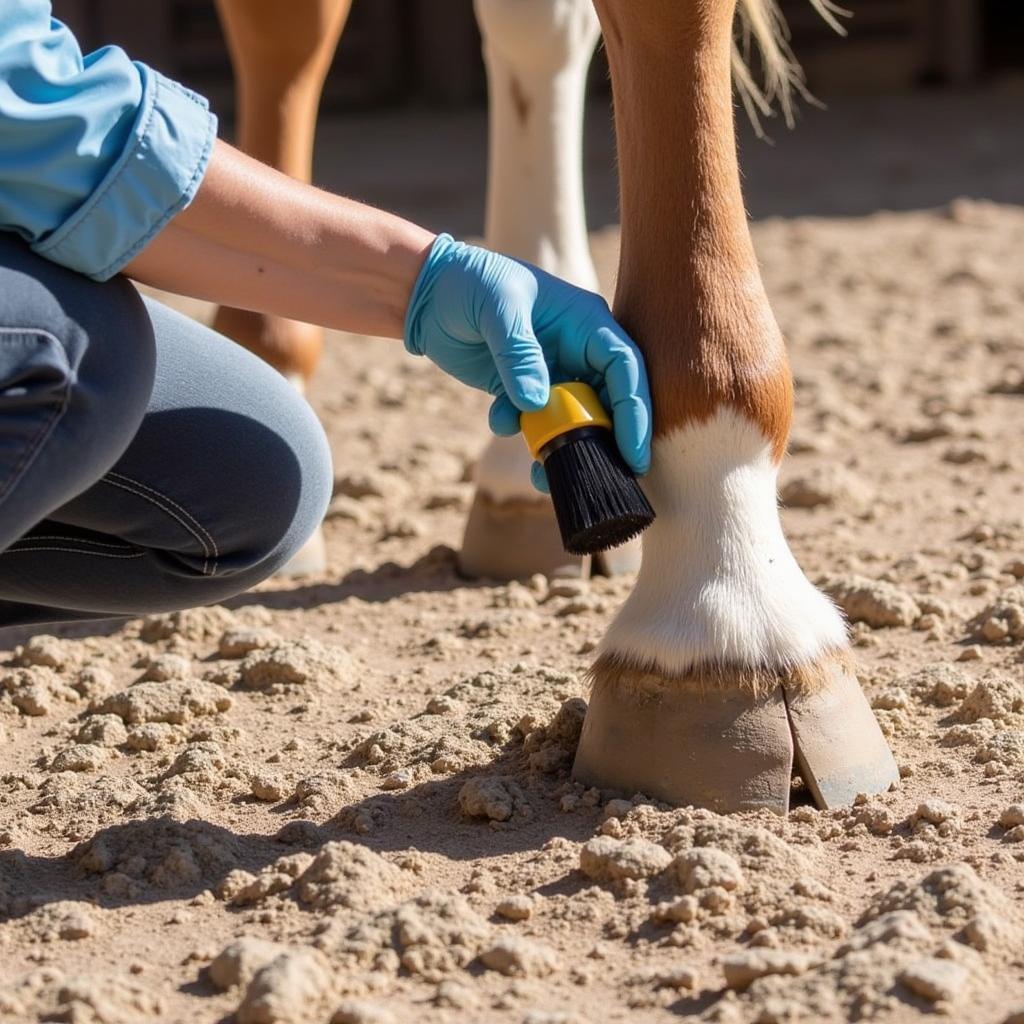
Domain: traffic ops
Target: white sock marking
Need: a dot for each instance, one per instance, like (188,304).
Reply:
(718,583)
(503,472)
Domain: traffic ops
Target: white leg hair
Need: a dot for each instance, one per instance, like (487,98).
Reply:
(719,586)
(537,53)
(504,471)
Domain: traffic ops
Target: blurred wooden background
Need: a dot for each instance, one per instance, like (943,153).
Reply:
(427,52)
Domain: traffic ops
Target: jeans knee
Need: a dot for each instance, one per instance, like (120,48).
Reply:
(287,487)
(312,486)
(256,529)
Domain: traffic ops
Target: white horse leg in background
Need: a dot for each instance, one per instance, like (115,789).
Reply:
(537,53)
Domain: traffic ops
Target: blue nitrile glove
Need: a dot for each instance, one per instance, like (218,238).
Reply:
(507,328)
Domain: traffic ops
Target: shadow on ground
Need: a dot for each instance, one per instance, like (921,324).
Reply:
(434,572)
(152,860)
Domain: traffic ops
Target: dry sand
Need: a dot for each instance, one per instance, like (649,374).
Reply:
(347,799)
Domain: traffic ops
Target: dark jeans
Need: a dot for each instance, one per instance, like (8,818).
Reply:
(146,463)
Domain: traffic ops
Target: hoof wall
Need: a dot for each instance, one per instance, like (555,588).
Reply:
(840,749)
(509,540)
(512,533)
(716,748)
(722,748)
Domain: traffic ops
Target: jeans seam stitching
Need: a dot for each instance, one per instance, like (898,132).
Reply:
(75,551)
(73,540)
(170,501)
(169,511)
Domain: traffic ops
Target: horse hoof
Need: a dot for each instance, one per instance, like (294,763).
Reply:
(309,560)
(712,747)
(508,540)
(512,533)
(840,749)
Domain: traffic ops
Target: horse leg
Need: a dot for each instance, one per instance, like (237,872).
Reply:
(280,53)
(725,663)
(537,53)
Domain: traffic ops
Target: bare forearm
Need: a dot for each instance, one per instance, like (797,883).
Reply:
(256,239)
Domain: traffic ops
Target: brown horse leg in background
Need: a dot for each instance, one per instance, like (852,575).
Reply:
(281,51)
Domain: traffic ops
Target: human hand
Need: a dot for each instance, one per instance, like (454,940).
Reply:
(511,329)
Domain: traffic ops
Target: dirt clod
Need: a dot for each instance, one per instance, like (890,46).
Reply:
(741,969)
(239,961)
(296,664)
(876,603)
(491,798)
(288,990)
(935,980)
(519,957)
(608,859)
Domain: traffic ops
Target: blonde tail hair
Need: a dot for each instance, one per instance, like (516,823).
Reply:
(760,23)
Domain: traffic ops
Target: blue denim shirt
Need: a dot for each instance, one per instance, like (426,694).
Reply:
(98,152)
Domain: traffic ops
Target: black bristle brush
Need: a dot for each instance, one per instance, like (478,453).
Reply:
(598,502)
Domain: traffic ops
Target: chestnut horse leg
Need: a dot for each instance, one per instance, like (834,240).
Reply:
(280,52)
(725,663)
(537,53)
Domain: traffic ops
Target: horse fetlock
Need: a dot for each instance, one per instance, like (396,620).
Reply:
(719,589)
(290,346)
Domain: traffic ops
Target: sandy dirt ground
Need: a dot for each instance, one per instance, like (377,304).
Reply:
(347,799)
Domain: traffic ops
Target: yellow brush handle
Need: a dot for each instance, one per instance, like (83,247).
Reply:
(570,406)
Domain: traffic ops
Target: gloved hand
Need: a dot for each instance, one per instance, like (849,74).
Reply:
(510,329)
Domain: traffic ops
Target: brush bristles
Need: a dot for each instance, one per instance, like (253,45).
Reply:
(598,502)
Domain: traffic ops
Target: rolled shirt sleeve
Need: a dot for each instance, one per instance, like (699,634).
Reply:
(98,152)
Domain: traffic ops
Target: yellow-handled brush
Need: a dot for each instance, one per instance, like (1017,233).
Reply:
(598,503)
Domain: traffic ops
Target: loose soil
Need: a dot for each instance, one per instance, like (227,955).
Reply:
(346,799)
